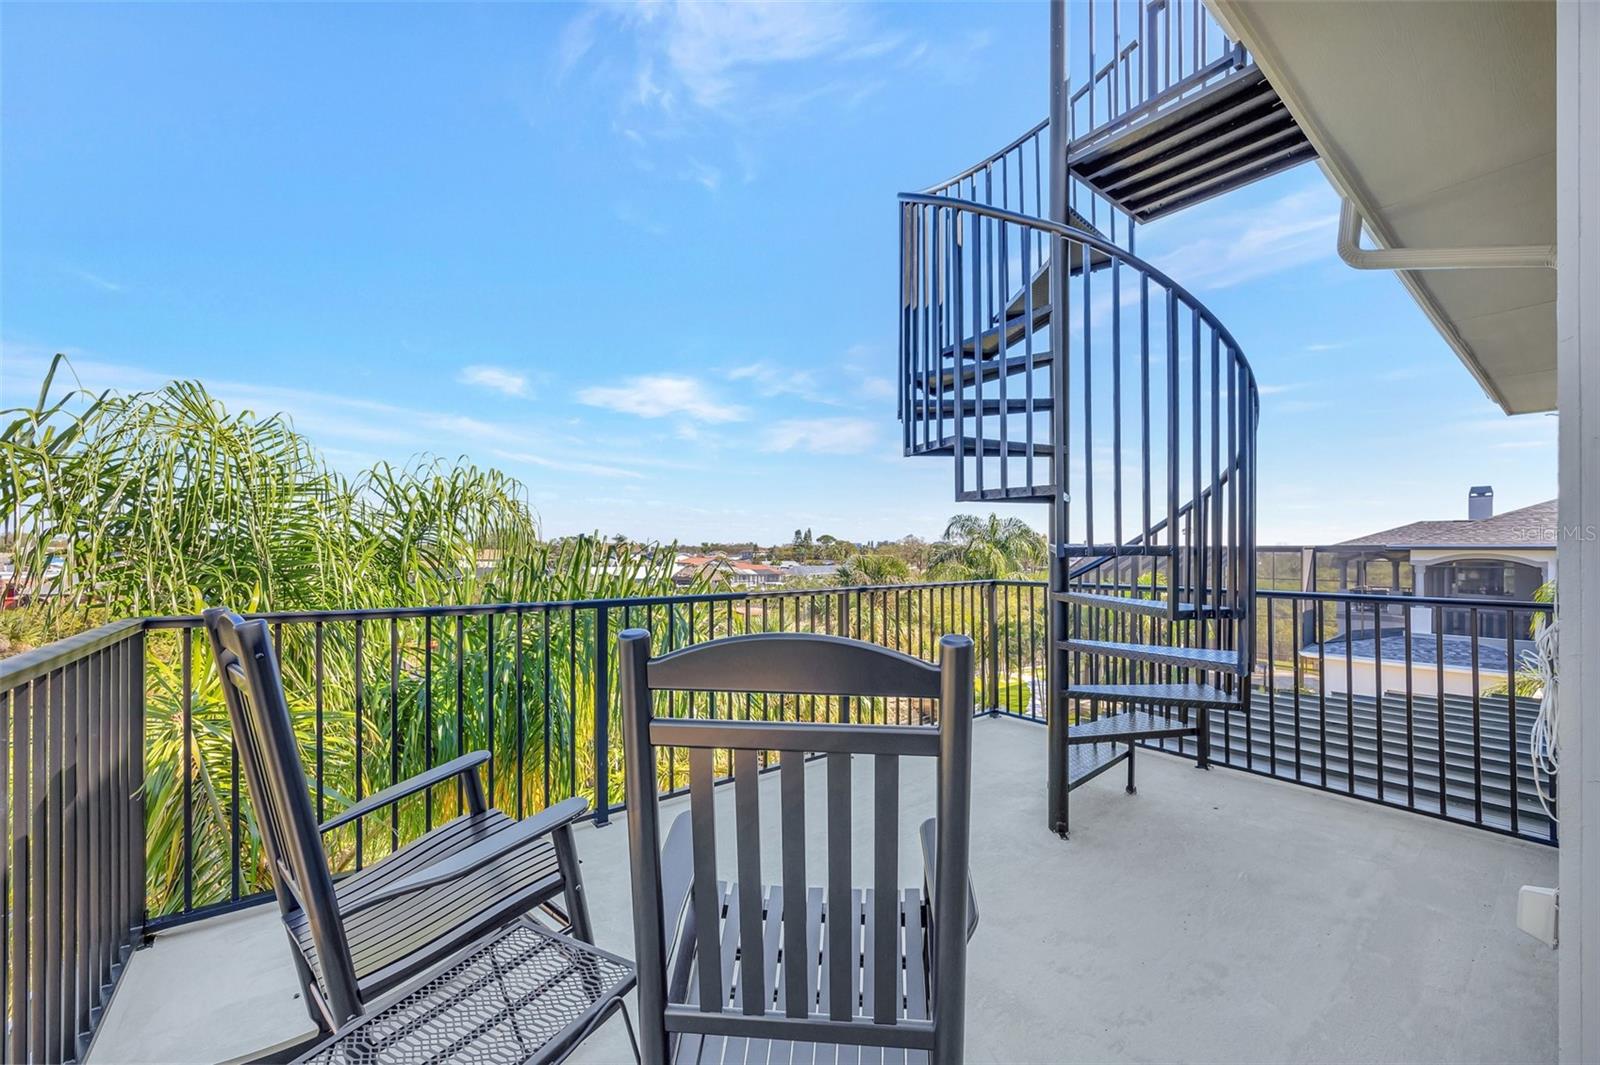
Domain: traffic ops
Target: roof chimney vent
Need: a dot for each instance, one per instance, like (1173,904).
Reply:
(1480,502)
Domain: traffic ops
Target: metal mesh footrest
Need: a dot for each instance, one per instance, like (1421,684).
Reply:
(527,995)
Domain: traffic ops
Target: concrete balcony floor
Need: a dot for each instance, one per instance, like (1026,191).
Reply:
(1214,916)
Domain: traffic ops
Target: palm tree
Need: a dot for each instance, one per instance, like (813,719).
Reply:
(163,502)
(873,569)
(989,548)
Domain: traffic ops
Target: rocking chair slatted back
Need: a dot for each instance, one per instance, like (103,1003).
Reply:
(838,983)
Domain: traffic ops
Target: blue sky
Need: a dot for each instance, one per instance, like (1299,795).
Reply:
(642,257)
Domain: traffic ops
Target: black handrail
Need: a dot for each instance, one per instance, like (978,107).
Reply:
(1088,239)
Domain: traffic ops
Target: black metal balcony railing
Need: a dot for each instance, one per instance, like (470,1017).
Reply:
(123,811)
(72,861)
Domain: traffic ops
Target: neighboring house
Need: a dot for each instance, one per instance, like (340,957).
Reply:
(689,568)
(807,570)
(755,575)
(737,572)
(1483,556)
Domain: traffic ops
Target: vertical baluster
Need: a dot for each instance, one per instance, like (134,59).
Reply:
(427,714)
(1477,721)
(51,988)
(545,713)
(360,766)
(1322,694)
(38,866)
(489,669)
(522,714)
(1377,687)
(1438,702)
(394,729)
(1513,759)
(80,952)
(1146,535)
(186,681)
(978,320)
(571,722)
(1174,589)
(1272,700)
(1088,385)
(1411,736)
(317,675)
(1214,600)
(1002,314)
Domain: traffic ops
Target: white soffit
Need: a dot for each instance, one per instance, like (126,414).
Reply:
(1438,120)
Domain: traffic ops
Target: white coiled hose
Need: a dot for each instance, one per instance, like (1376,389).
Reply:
(1543,746)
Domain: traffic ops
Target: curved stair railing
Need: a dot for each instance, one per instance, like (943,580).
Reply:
(1141,436)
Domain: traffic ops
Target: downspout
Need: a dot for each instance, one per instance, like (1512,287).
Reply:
(1507,257)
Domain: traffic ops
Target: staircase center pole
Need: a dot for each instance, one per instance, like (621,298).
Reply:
(1060,254)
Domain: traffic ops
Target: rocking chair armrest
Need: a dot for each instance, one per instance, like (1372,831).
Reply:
(462,766)
(475,857)
(930,864)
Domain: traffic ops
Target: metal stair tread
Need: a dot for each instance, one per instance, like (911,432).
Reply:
(1206,658)
(1036,493)
(1085,761)
(1227,134)
(942,381)
(1147,607)
(1165,694)
(1130,725)
(970,445)
(1126,603)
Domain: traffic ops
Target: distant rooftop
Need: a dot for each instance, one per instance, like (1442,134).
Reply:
(1533,526)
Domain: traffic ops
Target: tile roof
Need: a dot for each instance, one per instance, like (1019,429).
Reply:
(1533,526)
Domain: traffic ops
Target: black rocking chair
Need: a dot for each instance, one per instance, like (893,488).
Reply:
(736,972)
(367,933)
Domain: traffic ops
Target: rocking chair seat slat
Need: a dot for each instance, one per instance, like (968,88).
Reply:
(390,939)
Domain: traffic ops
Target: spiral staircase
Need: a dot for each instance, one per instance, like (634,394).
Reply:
(1052,365)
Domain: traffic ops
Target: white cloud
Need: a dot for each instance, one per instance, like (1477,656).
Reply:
(629,215)
(705,175)
(577,38)
(593,469)
(874,387)
(660,395)
(497,378)
(709,46)
(334,420)
(821,436)
(711,56)
(1518,433)
(104,284)
(769,380)
(1226,248)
